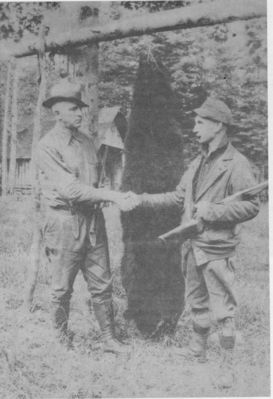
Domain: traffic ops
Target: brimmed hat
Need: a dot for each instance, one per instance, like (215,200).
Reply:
(65,91)
(216,110)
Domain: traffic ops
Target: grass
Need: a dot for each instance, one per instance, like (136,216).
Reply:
(33,365)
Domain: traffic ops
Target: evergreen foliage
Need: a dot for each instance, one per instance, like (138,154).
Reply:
(227,60)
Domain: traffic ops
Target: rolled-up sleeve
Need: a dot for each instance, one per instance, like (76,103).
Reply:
(62,179)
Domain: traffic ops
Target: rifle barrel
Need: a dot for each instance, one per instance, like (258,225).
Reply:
(248,191)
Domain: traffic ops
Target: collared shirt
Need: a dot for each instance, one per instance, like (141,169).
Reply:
(208,161)
(68,167)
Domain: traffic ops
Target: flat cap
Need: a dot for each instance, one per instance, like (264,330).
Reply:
(65,91)
(215,109)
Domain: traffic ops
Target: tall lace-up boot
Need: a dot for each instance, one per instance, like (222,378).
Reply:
(105,316)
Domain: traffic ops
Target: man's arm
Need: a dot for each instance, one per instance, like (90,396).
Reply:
(65,183)
(171,198)
(233,211)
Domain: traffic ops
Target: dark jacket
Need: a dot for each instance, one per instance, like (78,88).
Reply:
(230,174)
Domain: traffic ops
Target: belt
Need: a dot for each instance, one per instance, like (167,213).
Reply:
(74,209)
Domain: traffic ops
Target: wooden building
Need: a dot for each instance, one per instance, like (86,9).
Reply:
(112,132)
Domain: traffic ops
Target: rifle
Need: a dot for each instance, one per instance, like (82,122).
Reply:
(195,226)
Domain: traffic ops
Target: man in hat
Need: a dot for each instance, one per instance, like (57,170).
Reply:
(208,258)
(74,231)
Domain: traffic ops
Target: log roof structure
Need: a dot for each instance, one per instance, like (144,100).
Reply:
(205,14)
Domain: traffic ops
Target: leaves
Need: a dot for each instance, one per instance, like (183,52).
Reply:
(227,60)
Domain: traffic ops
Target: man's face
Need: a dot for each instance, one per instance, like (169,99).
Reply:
(205,129)
(69,114)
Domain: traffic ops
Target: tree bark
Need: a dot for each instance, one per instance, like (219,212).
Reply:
(35,251)
(6,126)
(86,60)
(13,144)
(220,11)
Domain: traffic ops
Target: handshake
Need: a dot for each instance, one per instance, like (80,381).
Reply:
(127,201)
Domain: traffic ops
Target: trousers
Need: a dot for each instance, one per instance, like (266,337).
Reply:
(210,289)
(68,249)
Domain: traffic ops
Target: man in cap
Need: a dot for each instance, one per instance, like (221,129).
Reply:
(74,231)
(208,258)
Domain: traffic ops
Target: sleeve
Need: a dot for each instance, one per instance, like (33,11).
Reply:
(50,162)
(236,211)
(171,198)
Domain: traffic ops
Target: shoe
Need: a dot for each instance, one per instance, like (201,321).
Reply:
(226,378)
(112,345)
(197,348)
(66,339)
(227,337)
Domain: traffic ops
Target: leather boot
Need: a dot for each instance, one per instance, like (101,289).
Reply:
(105,316)
(60,315)
(227,343)
(198,345)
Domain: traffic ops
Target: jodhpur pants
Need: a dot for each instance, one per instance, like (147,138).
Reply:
(209,289)
(68,249)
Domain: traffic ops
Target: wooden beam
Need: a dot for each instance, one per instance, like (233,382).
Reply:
(217,12)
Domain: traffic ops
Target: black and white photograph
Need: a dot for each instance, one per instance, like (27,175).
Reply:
(134,199)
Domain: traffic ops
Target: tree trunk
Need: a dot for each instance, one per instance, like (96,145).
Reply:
(5,132)
(207,14)
(87,70)
(13,144)
(37,237)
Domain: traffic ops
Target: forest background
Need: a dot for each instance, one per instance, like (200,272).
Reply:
(227,60)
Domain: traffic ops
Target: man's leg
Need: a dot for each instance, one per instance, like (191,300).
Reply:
(219,276)
(65,252)
(64,266)
(197,298)
(97,274)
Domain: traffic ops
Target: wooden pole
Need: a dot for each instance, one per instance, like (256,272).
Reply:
(87,60)
(14,118)
(5,132)
(37,237)
(206,14)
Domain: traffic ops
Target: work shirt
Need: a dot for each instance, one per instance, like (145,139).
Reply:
(207,163)
(68,168)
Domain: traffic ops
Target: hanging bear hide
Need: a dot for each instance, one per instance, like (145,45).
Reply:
(154,163)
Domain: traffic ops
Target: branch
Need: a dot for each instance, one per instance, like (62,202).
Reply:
(217,12)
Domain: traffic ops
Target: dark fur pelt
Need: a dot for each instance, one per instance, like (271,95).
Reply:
(154,163)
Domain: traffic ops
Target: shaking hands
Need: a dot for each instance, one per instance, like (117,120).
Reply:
(127,201)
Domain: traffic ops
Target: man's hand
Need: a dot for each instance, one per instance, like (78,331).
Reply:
(127,201)
(201,210)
